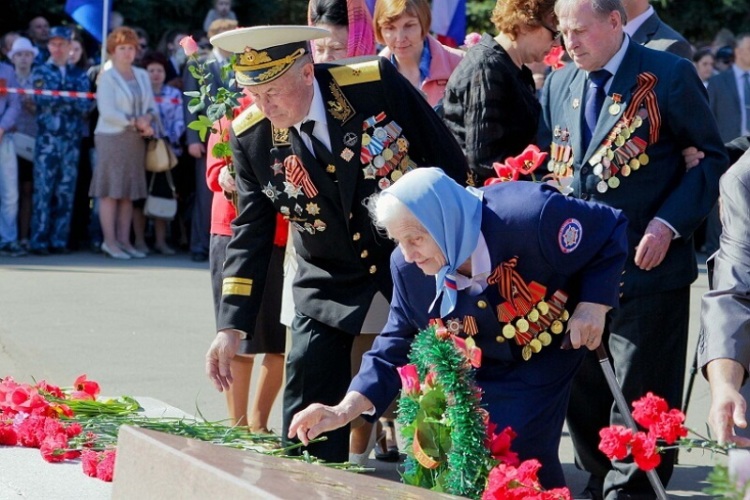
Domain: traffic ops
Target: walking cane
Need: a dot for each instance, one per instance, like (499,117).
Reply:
(622,405)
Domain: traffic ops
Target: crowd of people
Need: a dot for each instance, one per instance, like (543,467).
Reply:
(336,121)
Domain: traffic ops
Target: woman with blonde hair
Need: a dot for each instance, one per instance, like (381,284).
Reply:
(403,26)
(126,110)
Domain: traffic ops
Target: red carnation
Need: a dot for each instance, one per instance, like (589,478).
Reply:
(54,447)
(669,427)
(73,429)
(647,410)
(614,442)
(644,451)
(31,431)
(89,460)
(556,494)
(8,435)
(105,470)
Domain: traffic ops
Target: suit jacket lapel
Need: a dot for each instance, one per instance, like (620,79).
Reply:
(623,83)
(574,105)
(647,30)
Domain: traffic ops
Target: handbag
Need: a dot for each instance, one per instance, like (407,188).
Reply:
(159,154)
(158,207)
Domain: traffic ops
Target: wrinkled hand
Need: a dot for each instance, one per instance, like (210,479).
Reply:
(728,407)
(197,150)
(727,410)
(653,246)
(219,357)
(226,181)
(315,420)
(692,157)
(586,326)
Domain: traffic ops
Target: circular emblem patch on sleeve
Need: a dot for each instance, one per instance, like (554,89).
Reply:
(569,236)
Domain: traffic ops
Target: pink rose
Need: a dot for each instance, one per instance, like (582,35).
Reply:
(189,45)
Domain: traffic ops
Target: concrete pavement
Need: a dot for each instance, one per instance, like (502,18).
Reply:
(141,327)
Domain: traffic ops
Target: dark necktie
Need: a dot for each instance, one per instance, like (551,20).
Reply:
(594,101)
(746,80)
(324,156)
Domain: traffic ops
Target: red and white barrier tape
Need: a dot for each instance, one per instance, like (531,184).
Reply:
(70,93)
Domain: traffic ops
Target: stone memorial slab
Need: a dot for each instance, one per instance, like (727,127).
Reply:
(154,465)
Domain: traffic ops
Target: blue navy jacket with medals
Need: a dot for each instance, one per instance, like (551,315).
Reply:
(656,184)
(563,244)
(379,128)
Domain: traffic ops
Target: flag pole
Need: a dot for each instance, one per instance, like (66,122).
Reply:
(105,25)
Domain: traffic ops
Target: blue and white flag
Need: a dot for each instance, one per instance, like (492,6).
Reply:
(89,15)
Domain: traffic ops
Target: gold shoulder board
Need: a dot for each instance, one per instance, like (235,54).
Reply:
(352,74)
(247,119)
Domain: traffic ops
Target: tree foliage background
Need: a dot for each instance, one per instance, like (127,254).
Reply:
(698,20)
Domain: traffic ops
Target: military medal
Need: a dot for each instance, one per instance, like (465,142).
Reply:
(347,154)
(526,353)
(509,331)
(545,338)
(535,345)
(350,139)
(312,208)
(614,108)
(602,187)
(331,169)
(556,327)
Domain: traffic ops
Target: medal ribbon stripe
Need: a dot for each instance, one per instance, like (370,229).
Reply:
(511,286)
(296,174)
(645,92)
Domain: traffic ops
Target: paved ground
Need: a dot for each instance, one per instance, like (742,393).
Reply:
(141,328)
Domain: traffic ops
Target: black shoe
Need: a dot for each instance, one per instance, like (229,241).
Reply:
(39,251)
(199,256)
(59,250)
(12,250)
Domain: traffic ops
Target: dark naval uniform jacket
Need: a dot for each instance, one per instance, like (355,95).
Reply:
(561,251)
(639,168)
(380,127)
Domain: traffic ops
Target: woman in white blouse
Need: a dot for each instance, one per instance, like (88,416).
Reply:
(126,105)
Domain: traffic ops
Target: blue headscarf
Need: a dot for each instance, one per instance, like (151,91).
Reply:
(451,214)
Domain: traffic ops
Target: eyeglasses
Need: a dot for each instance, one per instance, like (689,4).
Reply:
(556,35)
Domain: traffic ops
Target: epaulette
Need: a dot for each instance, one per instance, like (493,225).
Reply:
(353,74)
(247,119)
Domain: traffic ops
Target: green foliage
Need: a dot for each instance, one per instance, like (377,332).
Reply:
(722,486)
(478,15)
(448,416)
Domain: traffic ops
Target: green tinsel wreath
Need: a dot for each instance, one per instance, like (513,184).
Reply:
(468,460)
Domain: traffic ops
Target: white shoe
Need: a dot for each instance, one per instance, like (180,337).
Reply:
(115,254)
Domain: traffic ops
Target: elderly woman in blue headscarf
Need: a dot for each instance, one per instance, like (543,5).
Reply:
(514,265)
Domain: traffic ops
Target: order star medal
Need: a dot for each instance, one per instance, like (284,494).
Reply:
(291,190)
(271,191)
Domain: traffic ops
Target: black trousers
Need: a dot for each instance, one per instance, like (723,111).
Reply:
(647,342)
(318,370)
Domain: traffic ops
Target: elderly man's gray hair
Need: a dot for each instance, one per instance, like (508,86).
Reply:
(601,7)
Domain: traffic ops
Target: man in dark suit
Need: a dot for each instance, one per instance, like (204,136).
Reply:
(726,93)
(200,225)
(645,27)
(724,348)
(318,141)
(620,117)
(729,98)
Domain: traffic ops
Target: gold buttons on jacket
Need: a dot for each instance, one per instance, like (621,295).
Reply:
(356,236)
(364,254)
(482,304)
(373,269)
